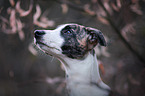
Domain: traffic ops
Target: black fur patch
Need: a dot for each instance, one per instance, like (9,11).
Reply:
(71,47)
(73,34)
(79,40)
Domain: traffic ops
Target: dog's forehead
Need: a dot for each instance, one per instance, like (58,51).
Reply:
(64,25)
(72,25)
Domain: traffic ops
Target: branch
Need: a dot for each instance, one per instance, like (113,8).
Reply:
(78,8)
(70,5)
(120,35)
(115,28)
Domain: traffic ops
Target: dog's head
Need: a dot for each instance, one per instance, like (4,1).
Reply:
(71,40)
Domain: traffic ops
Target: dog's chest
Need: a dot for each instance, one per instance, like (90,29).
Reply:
(80,89)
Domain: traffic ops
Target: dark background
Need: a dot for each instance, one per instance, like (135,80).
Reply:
(26,71)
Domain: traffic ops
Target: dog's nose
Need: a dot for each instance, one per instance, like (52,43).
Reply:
(38,33)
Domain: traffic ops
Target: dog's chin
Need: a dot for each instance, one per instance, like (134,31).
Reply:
(48,49)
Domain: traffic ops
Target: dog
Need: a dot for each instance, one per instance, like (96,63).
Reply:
(73,45)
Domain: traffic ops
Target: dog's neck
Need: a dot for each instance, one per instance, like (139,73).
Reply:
(83,72)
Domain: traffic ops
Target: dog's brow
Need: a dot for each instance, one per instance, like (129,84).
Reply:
(58,26)
(67,27)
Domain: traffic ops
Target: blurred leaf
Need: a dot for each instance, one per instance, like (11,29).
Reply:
(13,20)
(37,14)
(61,87)
(129,28)
(101,67)
(4,20)
(108,8)
(32,49)
(54,80)
(11,73)
(44,22)
(103,20)
(1,9)
(136,8)
(133,81)
(119,3)
(94,1)
(64,8)
(87,10)
(21,11)
(12,2)
(99,50)
(20,26)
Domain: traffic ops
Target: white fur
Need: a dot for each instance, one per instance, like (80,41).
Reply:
(80,72)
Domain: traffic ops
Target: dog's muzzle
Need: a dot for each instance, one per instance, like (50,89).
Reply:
(38,33)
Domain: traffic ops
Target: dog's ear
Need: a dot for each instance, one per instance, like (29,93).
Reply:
(95,37)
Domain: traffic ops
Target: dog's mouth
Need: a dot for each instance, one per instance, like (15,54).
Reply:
(43,44)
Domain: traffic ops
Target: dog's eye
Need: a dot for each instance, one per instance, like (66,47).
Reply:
(67,32)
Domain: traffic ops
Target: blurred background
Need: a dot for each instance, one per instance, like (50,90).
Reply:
(26,71)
